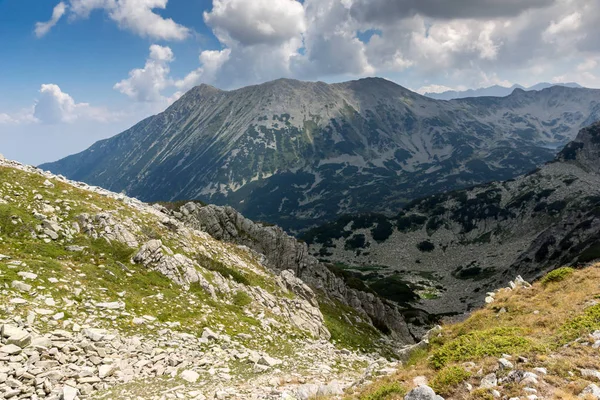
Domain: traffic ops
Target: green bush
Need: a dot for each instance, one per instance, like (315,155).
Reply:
(241,299)
(557,275)
(583,324)
(448,378)
(426,246)
(480,344)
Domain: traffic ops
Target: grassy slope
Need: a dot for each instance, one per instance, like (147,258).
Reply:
(104,273)
(540,324)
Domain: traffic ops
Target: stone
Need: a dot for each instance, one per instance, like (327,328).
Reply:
(503,363)
(269,361)
(489,381)
(307,391)
(591,390)
(94,334)
(10,349)
(27,275)
(207,333)
(106,370)
(331,389)
(69,392)
(190,376)
(115,305)
(22,339)
(41,341)
(422,392)
(21,286)
(590,373)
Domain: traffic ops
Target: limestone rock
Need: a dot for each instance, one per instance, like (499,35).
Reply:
(422,392)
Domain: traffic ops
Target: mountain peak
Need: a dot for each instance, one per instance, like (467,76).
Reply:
(585,149)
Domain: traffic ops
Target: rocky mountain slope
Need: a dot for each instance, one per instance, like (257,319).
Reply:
(531,342)
(298,153)
(495,91)
(102,296)
(444,252)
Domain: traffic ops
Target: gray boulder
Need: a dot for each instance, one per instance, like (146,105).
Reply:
(422,392)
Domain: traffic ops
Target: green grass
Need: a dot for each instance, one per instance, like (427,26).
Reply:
(581,325)
(383,392)
(355,335)
(241,299)
(448,379)
(557,275)
(479,344)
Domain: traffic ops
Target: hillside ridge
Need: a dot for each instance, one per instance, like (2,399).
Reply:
(296,153)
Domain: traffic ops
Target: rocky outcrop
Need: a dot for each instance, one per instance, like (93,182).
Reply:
(283,252)
(177,267)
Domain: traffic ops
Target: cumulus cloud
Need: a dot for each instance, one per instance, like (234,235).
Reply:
(134,15)
(390,11)
(146,84)
(256,22)
(466,43)
(55,107)
(42,28)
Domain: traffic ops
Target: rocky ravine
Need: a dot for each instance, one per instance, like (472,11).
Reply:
(443,253)
(297,154)
(283,252)
(103,296)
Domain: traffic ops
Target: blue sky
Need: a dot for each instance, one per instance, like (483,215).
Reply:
(75,71)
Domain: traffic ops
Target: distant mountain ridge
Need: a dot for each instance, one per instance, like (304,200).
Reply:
(300,153)
(495,91)
(452,248)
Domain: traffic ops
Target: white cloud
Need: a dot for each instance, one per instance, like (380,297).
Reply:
(42,28)
(146,84)
(419,44)
(435,89)
(57,107)
(256,22)
(569,23)
(211,61)
(54,106)
(134,15)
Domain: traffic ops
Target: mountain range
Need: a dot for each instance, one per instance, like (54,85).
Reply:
(298,154)
(445,252)
(495,91)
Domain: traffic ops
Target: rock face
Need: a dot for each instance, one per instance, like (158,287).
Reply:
(283,252)
(299,153)
(453,248)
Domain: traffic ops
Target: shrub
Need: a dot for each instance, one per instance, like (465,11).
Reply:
(448,378)
(587,322)
(480,344)
(426,246)
(355,242)
(241,299)
(382,231)
(557,275)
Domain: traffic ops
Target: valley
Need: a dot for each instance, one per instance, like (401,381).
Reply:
(446,251)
